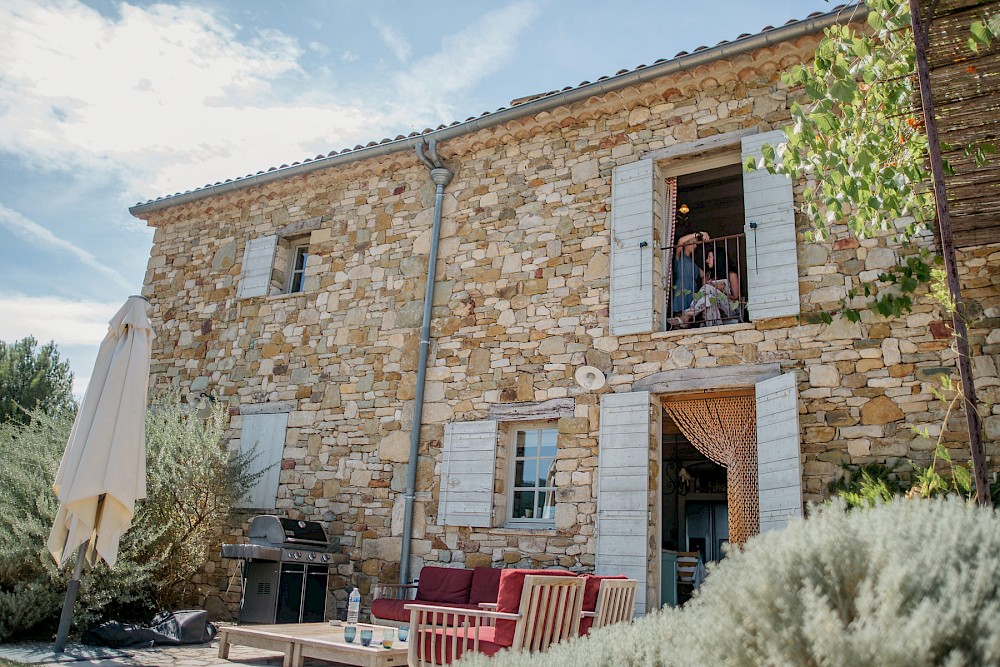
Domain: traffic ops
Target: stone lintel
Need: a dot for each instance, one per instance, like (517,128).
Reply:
(271,408)
(686,148)
(702,379)
(301,227)
(553,408)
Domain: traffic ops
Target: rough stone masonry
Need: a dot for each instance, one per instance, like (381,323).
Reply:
(521,302)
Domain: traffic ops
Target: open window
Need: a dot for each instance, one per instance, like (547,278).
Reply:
(646,219)
(704,259)
(298,257)
(495,474)
(277,263)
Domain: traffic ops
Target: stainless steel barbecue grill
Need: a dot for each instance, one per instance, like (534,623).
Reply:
(284,568)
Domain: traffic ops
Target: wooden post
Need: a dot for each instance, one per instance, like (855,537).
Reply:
(948,253)
(66,617)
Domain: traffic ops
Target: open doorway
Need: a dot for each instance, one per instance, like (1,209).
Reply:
(695,511)
(695,514)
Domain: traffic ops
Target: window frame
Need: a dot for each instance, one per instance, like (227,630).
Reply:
(672,171)
(512,488)
(295,250)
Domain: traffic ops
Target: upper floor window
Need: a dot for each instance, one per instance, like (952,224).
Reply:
(654,230)
(705,279)
(531,498)
(297,274)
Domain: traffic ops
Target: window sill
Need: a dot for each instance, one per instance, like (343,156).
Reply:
(547,530)
(694,331)
(284,295)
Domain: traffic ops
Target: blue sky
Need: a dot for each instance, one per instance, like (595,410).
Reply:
(106,103)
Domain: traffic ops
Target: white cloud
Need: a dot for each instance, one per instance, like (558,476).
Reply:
(465,58)
(40,236)
(65,321)
(169,97)
(77,328)
(396,43)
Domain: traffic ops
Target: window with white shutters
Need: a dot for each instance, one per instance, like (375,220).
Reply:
(779,467)
(772,264)
(637,192)
(623,512)
(644,225)
(468,465)
(262,436)
(258,262)
(531,499)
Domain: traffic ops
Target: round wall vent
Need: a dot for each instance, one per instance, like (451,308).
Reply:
(590,378)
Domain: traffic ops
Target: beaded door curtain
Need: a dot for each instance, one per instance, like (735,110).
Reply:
(725,430)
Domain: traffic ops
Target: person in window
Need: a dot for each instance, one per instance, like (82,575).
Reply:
(719,268)
(687,274)
(718,299)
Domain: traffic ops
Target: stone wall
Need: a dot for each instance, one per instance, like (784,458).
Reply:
(521,302)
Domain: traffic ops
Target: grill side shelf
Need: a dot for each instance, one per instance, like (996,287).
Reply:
(251,551)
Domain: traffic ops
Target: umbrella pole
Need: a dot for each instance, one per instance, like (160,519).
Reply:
(67,611)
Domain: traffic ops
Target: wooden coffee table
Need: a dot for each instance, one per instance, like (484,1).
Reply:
(299,641)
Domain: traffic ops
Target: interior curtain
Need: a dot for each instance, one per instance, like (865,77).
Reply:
(669,230)
(725,430)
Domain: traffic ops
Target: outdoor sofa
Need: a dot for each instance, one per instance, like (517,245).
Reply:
(472,589)
(534,609)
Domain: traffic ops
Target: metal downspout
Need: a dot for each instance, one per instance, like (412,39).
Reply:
(441,177)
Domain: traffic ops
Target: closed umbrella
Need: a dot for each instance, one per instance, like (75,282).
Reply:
(103,470)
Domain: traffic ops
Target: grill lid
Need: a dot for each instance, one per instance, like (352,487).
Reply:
(270,530)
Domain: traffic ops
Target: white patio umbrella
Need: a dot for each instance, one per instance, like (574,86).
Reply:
(103,470)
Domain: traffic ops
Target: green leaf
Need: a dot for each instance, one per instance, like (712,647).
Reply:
(963,480)
(980,32)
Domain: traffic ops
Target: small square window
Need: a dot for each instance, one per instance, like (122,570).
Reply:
(297,274)
(531,496)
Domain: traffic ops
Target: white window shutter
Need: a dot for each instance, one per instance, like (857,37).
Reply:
(779,468)
(772,264)
(623,489)
(264,437)
(636,212)
(467,469)
(258,260)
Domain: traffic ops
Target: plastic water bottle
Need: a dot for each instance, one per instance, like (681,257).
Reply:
(353,606)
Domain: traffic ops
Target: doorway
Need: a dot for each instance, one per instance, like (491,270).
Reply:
(695,503)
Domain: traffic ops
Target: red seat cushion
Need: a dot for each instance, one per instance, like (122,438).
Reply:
(591,588)
(509,598)
(437,646)
(444,584)
(485,585)
(390,609)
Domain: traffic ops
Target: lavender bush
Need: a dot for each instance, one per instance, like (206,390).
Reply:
(909,583)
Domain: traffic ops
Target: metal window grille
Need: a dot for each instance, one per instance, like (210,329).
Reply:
(707,284)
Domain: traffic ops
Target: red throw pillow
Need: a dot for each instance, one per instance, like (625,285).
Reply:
(444,584)
(485,585)
(509,598)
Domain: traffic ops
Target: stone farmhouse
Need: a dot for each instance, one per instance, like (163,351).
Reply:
(573,414)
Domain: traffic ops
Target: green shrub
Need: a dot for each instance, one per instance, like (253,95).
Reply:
(910,583)
(191,483)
